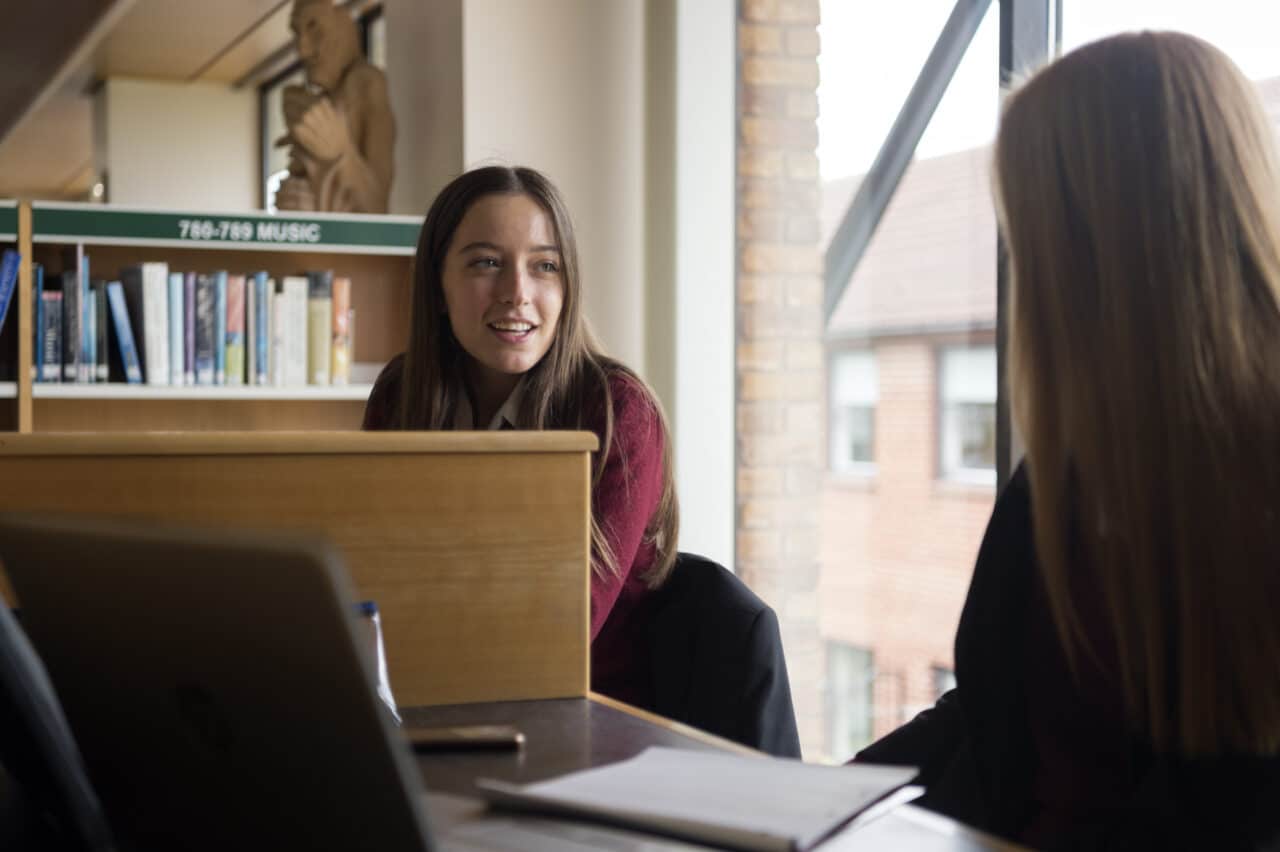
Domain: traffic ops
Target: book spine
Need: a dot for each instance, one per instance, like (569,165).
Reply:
(70,331)
(206,295)
(220,327)
(51,336)
(319,326)
(262,329)
(90,353)
(189,328)
(250,332)
(292,307)
(37,327)
(124,333)
(101,328)
(235,330)
(340,346)
(177,322)
(278,314)
(8,281)
(155,319)
(85,371)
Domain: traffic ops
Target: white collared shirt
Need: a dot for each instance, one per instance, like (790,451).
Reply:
(504,419)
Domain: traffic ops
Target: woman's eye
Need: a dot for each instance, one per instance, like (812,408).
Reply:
(485,263)
(548,266)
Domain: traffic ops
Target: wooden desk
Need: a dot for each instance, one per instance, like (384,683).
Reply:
(579,733)
(475,545)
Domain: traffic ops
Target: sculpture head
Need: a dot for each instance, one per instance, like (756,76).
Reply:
(327,41)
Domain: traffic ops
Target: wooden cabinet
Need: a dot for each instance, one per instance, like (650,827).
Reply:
(375,252)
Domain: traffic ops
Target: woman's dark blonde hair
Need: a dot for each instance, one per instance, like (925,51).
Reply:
(1138,184)
(563,391)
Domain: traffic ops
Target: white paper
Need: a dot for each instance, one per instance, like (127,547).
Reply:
(756,803)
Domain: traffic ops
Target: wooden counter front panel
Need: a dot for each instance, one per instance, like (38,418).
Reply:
(477,561)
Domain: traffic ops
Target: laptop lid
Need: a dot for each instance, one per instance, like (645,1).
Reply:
(216,686)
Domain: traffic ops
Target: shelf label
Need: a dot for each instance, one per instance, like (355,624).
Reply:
(92,224)
(9,220)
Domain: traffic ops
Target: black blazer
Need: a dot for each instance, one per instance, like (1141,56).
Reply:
(975,747)
(717,659)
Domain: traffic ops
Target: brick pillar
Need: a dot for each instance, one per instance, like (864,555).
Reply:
(779,326)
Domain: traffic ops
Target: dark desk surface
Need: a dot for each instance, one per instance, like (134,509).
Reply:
(579,733)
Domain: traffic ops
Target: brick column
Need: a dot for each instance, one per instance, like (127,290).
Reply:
(779,325)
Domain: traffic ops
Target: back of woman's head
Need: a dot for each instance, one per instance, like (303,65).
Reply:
(1137,182)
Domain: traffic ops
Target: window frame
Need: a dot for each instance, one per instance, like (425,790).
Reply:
(851,468)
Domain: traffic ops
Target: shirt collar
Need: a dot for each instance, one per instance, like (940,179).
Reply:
(504,419)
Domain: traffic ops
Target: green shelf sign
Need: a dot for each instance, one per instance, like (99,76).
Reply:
(8,220)
(96,224)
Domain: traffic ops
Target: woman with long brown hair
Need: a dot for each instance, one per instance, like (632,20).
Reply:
(498,340)
(1118,657)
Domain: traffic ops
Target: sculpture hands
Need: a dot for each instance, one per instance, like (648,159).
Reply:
(323,131)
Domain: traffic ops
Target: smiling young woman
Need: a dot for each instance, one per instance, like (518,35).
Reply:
(498,341)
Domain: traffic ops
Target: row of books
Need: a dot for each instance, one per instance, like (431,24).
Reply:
(159,327)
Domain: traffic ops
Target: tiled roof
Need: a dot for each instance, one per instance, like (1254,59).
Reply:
(932,262)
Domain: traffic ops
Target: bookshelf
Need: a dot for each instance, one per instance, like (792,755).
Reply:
(375,252)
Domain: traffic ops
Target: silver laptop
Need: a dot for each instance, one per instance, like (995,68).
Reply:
(216,686)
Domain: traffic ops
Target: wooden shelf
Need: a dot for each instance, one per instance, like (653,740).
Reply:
(197,392)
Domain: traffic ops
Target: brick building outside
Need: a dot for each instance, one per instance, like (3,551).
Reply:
(910,472)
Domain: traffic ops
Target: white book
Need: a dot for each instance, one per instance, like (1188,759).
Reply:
(155,321)
(177,324)
(761,804)
(275,301)
(295,331)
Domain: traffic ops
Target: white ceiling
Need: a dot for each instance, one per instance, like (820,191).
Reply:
(49,153)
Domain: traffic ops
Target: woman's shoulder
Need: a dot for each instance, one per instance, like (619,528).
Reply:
(635,408)
(379,411)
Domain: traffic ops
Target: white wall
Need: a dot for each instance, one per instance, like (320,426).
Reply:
(559,85)
(425,85)
(179,144)
(691,56)
(628,106)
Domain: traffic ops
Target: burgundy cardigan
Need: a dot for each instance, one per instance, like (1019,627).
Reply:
(623,503)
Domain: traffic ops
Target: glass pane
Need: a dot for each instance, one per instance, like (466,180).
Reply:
(850,678)
(897,543)
(273,129)
(1244,29)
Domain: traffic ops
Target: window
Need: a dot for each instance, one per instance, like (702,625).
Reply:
(944,680)
(855,390)
(850,678)
(968,421)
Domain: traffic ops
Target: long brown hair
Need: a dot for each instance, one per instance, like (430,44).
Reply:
(561,391)
(1137,179)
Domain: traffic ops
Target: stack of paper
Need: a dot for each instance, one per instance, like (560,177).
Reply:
(740,802)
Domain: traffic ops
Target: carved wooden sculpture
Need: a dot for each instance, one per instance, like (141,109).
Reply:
(341,130)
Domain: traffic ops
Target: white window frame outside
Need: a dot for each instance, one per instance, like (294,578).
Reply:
(854,383)
(962,372)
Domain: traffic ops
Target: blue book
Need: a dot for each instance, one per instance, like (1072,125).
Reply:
(261,326)
(37,347)
(91,335)
(177,323)
(86,370)
(124,334)
(8,281)
(220,327)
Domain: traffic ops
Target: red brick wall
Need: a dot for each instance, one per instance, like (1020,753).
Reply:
(898,547)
